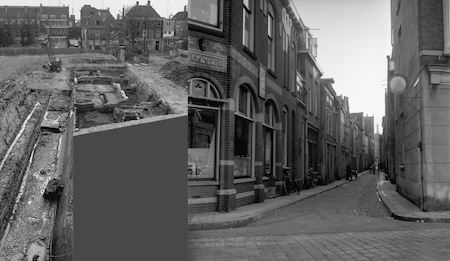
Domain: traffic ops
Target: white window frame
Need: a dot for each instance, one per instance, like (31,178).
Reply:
(271,25)
(271,126)
(250,116)
(446,9)
(248,9)
(218,27)
(210,89)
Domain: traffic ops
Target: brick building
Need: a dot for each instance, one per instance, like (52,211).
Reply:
(329,132)
(95,27)
(251,114)
(145,27)
(418,122)
(49,22)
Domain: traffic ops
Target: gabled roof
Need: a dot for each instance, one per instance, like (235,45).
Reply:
(114,34)
(180,16)
(55,10)
(104,16)
(143,11)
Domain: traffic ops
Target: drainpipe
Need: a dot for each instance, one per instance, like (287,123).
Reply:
(421,150)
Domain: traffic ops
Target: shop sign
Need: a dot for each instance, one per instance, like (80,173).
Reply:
(207,60)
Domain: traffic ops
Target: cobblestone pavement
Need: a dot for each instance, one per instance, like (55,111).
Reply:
(346,223)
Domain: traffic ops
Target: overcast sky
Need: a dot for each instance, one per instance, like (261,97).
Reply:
(114,6)
(353,40)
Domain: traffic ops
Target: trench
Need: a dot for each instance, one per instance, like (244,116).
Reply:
(107,94)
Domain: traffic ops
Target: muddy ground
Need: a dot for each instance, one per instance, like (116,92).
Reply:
(29,233)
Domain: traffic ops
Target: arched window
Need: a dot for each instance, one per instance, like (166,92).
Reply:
(269,139)
(244,133)
(203,120)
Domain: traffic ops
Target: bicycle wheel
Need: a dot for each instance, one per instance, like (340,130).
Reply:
(287,187)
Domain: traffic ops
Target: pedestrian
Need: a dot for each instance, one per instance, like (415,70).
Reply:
(372,170)
(349,172)
(377,170)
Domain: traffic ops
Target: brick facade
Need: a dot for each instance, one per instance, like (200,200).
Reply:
(212,44)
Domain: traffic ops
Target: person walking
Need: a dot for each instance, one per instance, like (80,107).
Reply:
(348,171)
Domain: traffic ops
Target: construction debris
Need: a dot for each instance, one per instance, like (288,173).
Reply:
(53,190)
(175,71)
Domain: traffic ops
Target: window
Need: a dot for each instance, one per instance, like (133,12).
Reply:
(158,23)
(91,33)
(97,22)
(205,11)
(52,16)
(271,38)
(310,93)
(44,16)
(269,140)
(63,16)
(158,33)
(313,140)
(293,68)
(244,134)
(97,32)
(316,99)
(330,121)
(446,8)
(203,128)
(151,33)
(247,31)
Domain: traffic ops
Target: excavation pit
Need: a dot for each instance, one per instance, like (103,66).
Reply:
(111,94)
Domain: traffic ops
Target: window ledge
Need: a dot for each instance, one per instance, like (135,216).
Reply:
(244,180)
(272,73)
(203,183)
(249,52)
(301,103)
(206,30)
(265,178)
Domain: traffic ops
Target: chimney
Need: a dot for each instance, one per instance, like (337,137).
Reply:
(148,2)
(137,2)
(107,9)
(123,11)
(185,8)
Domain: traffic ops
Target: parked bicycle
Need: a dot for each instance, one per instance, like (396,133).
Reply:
(290,184)
(309,179)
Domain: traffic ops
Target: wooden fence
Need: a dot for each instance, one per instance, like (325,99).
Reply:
(38,51)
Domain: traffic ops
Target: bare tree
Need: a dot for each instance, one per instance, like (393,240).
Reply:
(138,25)
(132,23)
(8,33)
(28,29)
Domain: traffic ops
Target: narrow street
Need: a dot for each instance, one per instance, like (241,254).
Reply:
(346,223)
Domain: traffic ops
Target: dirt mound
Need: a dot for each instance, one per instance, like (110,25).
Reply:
(175,71)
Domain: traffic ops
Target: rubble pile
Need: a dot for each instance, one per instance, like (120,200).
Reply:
(175,71)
